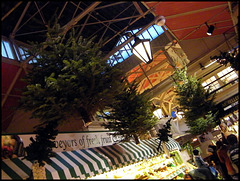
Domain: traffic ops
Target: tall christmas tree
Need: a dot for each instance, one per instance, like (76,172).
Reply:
(69,78)
(200,110)
(131,115)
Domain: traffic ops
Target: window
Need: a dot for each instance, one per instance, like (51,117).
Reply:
(151,33)
(23,53)
(212,83)
(7,50)
(227,75)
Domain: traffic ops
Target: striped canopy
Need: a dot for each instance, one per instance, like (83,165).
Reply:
(88,162)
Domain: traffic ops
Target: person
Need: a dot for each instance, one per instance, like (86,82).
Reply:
(215,162)
(199,160)
(233,153)
(199,174)
(225,131)
(224,158)
(17,146)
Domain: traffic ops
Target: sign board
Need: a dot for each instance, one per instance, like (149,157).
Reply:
(76,141)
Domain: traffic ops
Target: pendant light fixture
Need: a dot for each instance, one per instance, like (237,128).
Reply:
(210,29)
(142,49)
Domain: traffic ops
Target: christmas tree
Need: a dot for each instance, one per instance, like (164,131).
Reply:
(131,115)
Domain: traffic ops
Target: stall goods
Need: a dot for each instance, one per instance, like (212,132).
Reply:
(158,167)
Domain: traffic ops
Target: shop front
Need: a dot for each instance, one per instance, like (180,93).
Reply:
(92,162)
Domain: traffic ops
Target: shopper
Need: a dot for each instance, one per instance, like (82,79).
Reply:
(213,158)
(199,174)
(233,153)
(199,160)
(17,146)
(224,158)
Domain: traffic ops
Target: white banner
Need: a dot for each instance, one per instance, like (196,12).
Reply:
(76,141)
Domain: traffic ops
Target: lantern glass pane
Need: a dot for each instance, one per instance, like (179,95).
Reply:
(141,53)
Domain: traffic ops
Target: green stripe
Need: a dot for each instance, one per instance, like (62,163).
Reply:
(135,149)
(59,170)
(121,154)
(149,148)
(125,146)
(95,159)
(65,163)
(108,148)
(48,174)
(85,160)
(156,142)
(103,152)
(10,172)
(98,157)
(80,166)
(96,152)
(21,165)
(145,149)
(154,148)
(129,155)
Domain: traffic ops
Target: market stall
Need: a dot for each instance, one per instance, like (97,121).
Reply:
(89,162)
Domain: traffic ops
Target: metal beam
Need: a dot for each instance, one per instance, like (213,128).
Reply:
(139,9)
(11,86)
(19,21)
(11,10)
(131,38)
(75,20)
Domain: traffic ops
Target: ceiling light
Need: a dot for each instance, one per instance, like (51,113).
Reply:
(160,20)
(210,29)
(142,49)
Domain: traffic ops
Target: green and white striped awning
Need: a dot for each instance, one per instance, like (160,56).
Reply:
(88,162)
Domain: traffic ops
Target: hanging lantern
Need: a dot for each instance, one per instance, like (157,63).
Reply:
(142,50)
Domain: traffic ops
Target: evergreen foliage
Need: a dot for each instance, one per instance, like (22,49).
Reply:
(226,58)
(200,110)
(40,148)
(164,133)
(69,77)
(131,115)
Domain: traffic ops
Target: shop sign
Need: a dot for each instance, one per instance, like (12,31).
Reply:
(70,141)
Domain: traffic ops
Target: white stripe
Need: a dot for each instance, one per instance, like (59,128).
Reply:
(131,144)
(99,159)
(5,176)
(16,169)
(130,153)
(152,148)
(64,168)
(90,160)
(122,151)
(145,149)
(53,172)
(104,156)
(85,166)
(116,153)
(115,159)
(76,168)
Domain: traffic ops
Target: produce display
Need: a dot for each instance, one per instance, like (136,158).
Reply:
(158,167)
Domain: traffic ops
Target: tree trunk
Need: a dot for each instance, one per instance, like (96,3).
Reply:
(85,116)
(165,149)
(136,139)
(39,172)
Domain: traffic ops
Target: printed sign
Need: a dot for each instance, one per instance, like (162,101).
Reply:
(76,141)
